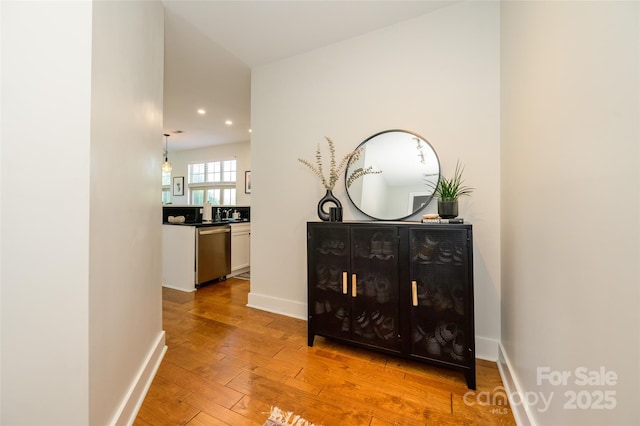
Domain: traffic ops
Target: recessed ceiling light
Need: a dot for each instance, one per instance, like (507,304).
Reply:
(178,131)
(228,122)
(201,111)
(249,130)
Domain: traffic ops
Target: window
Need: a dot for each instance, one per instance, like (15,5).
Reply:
(214,182)
(166,188)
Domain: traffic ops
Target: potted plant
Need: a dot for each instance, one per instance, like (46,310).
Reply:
(448,191)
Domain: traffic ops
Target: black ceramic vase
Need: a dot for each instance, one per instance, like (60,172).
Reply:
(448,209)
(328,198)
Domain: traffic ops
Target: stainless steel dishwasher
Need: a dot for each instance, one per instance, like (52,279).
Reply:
(213,253)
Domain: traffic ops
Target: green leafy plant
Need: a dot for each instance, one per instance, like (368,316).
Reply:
(335,168)
(452,188)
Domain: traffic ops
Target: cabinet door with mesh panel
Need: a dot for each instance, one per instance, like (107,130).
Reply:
(328,257)
(374,286)
(441,319)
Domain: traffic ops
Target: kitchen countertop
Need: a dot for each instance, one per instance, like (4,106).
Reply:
(207,224)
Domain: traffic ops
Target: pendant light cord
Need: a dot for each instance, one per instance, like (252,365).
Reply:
(166,147)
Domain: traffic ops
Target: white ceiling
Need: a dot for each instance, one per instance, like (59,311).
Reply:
(211,46)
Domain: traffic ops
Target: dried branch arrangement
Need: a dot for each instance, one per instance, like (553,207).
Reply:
(336,168)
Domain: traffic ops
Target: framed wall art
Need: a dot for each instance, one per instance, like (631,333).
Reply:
(178,185)
(247,182)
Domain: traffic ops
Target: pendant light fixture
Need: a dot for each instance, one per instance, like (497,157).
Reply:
(166,166)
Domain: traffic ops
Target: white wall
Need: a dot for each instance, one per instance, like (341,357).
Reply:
(46,127)
(241,152)
(81,301)
(570,203)
(437,75)
(1,103)
(125,293)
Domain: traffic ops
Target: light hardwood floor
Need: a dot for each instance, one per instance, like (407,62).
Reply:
(227,364)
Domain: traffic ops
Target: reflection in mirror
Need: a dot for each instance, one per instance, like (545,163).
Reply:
(409,168)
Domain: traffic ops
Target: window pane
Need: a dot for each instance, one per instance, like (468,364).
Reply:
(213,174)
(197,196)
(166,178)
(196,173)
(229,196)
(229,168)
(166,196)
(213,195)
(210,171)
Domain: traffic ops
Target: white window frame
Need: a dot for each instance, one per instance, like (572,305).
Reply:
(215,175)
(166,188)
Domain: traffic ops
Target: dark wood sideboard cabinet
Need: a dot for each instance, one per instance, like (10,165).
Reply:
(400,288)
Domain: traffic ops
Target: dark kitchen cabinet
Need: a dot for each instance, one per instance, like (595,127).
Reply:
(401,288)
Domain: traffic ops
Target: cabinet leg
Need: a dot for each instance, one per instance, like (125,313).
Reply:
(310,337)
(471,379)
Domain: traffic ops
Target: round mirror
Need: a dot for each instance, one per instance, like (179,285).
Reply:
(403,172)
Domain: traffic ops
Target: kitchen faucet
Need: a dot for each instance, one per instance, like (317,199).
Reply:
(226,213)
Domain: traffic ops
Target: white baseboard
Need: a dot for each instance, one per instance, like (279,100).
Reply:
(239,271)
(487,349)
(277,305)
(179,288)
(511,384)
(132,402)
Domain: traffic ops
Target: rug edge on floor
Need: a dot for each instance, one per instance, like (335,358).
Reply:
(277,417)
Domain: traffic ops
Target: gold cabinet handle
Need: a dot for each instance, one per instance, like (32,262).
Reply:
(354,291)
(345,283)
(414,293)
